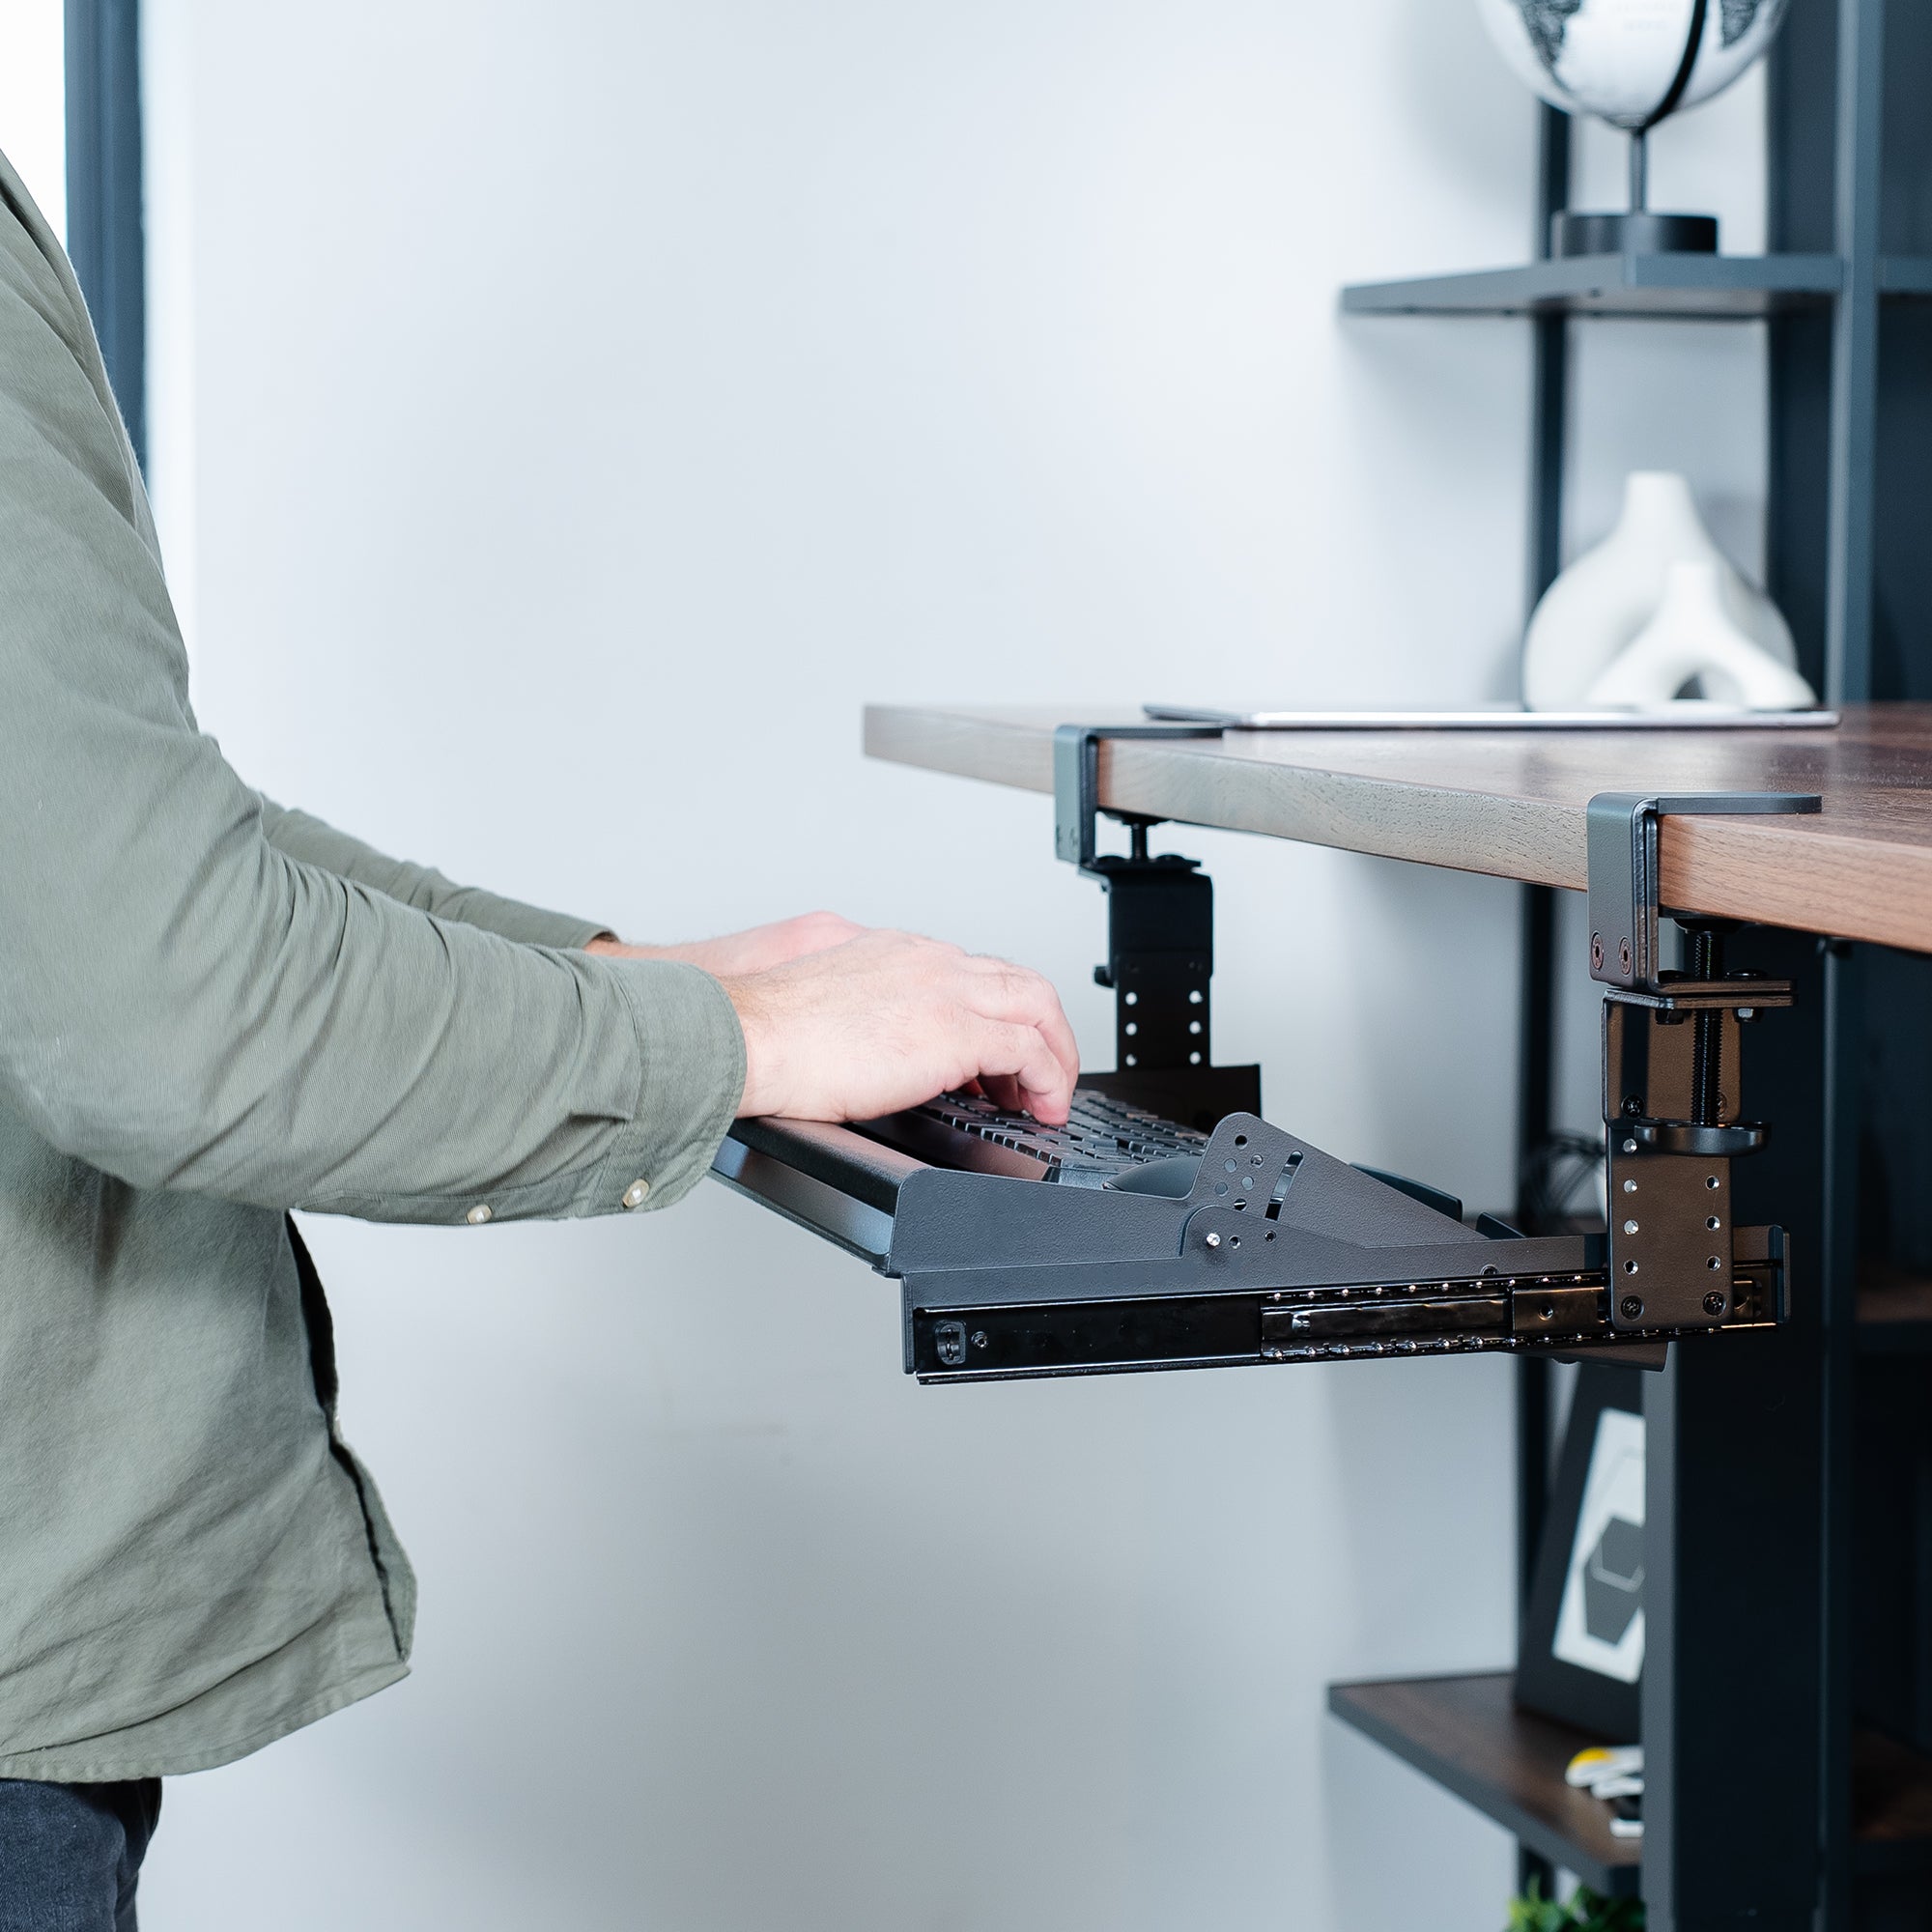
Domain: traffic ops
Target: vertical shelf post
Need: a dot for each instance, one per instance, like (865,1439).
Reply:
(1850,583)
(1536,1068)
(1854,433)
(105,232)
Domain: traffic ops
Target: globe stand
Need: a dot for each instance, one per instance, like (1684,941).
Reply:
(1639,231)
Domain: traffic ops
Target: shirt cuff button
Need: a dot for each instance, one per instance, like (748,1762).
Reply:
(635,1194)
(478,1214)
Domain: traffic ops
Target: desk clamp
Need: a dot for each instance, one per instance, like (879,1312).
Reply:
(1671,1071)
(1160,911)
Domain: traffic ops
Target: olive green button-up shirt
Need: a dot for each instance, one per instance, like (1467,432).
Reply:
(212,1010)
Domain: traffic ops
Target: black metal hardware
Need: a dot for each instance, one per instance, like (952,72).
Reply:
(1160,911)
(1076,782)
(1671,1070)
(1622,871)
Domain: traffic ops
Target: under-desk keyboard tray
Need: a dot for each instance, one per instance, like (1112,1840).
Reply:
(1276,1253)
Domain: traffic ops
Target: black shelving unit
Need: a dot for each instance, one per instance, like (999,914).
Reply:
(1787,1698)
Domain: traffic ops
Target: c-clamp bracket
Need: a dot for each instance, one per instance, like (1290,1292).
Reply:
(1671,1084)
(1160,911)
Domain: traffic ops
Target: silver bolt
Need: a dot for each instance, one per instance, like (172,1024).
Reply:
(1213,1240)
(1630,1227)
(1629,1187)
(1630,1146)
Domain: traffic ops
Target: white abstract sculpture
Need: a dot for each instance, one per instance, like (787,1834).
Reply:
(1594,611)
(1693,644)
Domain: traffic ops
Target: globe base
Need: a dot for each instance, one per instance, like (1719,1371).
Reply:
(1637,233)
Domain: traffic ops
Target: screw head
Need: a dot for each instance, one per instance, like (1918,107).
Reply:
(1630,1308)
(1624,955)
(1213,1240)
(1714,1303)
(1596,952)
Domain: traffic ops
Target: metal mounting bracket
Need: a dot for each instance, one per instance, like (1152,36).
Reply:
(1076,781)
(1622,830)
(1160,912)
(1671,1074)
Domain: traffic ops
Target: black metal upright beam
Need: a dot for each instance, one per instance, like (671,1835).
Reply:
(1732,1541)
(105,232)
(1537,1041)
(1851,594)
(1857,175)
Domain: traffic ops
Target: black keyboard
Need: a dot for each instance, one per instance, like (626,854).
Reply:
(1103,1137)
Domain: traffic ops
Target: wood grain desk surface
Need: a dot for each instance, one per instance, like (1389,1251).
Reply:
(1513,804)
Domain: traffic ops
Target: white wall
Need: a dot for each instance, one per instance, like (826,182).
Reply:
(565,416)
(32,105)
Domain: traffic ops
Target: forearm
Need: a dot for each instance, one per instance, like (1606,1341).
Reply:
(283,1036)
(303,836)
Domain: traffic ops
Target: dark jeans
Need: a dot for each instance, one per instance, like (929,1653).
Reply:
(69,1854)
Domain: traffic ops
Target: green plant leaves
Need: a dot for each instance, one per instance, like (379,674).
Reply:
(1584,1911)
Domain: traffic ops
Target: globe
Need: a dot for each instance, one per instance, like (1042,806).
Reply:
(1622,59)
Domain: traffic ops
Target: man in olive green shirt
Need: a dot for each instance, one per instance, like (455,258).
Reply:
(212,1010)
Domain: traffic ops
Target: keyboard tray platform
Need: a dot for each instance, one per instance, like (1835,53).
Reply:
(1279,1253)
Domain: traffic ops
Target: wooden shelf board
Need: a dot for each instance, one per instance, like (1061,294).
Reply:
(1715,286)
(1468,1736)
(1514,803)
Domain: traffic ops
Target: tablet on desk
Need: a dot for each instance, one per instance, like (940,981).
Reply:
(1697,717)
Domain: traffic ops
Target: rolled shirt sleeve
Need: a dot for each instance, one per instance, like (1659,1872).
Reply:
(302,836)
(190,997)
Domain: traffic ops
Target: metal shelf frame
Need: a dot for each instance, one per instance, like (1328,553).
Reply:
(106,228)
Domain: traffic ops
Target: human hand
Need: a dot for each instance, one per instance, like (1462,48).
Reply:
(736,953)
(888,1019)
